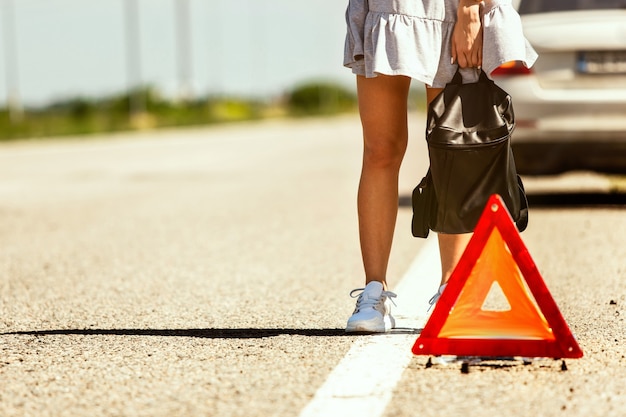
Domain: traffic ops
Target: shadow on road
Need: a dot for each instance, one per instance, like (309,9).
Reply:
(204,333)
(561,200)
(577,200)
(200,333)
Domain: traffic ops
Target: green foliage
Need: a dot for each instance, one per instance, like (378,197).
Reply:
(417,99)
(233,110)
(320,99)
(144,108)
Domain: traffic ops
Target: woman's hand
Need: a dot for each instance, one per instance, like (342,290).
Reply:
(467,37)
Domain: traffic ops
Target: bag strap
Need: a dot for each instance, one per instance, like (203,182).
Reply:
(426,181)
(458,78)
(522,222)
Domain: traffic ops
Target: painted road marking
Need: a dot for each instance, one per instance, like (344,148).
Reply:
(362,386)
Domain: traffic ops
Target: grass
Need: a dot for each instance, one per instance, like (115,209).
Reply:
(84,116)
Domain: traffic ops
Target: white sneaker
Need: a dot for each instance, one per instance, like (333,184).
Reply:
(373,310)
(435,297)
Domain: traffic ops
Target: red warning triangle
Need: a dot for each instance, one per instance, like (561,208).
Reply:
(531,325)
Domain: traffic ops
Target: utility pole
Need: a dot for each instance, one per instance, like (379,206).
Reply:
(183,44)
(16,111)
(137,103)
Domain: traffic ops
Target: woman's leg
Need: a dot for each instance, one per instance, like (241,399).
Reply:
(451,247)
(383,110)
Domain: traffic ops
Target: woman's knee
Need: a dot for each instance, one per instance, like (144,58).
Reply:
(383,109)
(385,150)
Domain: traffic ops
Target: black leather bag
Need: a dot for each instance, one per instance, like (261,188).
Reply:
(468,133)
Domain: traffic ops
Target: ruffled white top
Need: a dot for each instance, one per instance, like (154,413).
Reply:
(413,38)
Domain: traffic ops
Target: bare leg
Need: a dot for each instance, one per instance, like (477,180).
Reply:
(383,110)
(451,247)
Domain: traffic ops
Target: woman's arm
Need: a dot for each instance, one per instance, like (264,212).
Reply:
(467,38)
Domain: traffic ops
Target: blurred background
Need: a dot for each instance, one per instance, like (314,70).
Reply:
(81,66)
(73,67)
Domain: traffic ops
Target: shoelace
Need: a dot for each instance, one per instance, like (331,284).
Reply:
(370,302)
(435,297)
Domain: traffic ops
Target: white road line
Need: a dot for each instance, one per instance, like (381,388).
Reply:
(364,380)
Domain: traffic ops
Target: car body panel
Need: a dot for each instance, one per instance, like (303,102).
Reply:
(574,99)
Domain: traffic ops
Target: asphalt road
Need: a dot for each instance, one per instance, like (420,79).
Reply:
(206,272)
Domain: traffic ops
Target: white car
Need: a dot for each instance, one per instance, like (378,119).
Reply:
(571,106)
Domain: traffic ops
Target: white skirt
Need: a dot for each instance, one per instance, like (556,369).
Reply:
(413,38)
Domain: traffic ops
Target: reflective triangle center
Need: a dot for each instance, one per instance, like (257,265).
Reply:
(496,300)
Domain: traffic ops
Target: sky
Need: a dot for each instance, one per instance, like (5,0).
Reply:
(252,48)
